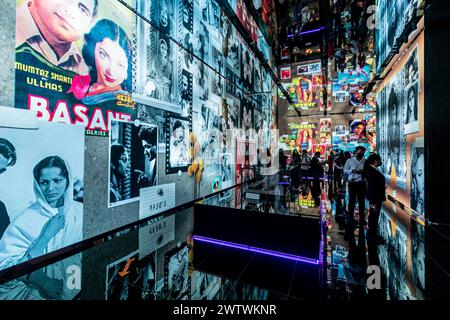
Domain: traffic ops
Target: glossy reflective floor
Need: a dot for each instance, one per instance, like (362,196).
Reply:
(155,261)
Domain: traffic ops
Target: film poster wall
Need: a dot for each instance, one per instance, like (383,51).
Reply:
(400,123)
(143,106)
(338,132)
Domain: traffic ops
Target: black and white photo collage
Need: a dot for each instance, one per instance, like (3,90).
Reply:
(399,118)
(392,138)
(133,160)
(392,17)
(192,67)
(156,75)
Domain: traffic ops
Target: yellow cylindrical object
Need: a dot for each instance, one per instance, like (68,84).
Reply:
(198,176)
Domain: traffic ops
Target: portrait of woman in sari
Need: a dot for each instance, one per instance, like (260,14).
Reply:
(52,222)
(107,52)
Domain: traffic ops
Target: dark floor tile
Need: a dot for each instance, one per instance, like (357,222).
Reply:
(268,272)
(221,261)
(306,282)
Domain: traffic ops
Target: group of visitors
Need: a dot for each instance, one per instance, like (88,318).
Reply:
(305,172)
(347,172)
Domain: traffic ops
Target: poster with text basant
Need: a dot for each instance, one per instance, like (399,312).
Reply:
(74,62)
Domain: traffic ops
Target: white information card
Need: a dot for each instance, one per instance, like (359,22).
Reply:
(156,235)
(154,200)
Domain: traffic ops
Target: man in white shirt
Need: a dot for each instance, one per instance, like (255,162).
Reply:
(354,168)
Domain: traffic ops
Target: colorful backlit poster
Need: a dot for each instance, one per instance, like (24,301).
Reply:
(357,130)
(77,73)
(309,68)
(371,122)
(355,76)
(305,91)
(340,130)
(285,73)
(369,104)
(324,144)
(307,135)
(325,125)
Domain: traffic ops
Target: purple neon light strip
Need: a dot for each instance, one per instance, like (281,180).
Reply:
(257,250)
(307,32)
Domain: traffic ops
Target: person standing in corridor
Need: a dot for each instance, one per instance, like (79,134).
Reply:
(376,194)
(354,168)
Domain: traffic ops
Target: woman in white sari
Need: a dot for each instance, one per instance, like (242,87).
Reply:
(54,221)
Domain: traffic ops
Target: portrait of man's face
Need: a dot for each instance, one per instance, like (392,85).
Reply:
(247,118)
(63,20)
(185,82)
(420,175)
(149,150)
(359,129)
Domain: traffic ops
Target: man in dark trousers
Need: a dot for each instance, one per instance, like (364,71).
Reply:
(7,159)
(376,194)
(317,171)
(282,159)
(354,168)
(305,165)
(330,164)
(338,165)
